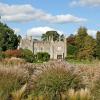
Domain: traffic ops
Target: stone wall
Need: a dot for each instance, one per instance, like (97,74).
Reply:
(57,49)
(27,43)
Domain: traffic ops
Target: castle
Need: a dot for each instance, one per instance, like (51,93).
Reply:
(56,49)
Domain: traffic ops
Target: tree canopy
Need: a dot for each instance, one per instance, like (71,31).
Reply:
(52,35)
(85,44)
(8,40)
(98,44)
(71,46)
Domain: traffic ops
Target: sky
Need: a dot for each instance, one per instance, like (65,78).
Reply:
(35,17)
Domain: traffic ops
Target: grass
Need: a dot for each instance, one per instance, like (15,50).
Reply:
(55,79)
(71,94)
(75,61)
(11,79)
(82,94)
(17,95)
(20,80)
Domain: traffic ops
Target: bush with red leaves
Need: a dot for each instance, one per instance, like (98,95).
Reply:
(13,53)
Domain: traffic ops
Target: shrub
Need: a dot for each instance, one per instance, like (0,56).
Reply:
(71,49)
(42,56)
(27,55)
(53,80)
(13,61)
(2,55)
(13,53)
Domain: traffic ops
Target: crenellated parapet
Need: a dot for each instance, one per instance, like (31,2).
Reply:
(56,49)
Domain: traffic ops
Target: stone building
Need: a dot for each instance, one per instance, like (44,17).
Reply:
(56,49)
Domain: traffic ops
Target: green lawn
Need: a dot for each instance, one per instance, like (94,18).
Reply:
(72,61)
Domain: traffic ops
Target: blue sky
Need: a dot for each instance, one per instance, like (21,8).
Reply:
(37,16)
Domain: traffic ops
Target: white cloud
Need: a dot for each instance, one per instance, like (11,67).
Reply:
(38,31)
(93,3)
(25,13)
(15,9)
(92,33)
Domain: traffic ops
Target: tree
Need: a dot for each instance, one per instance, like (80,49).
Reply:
(80,37)
(71,46)
(71,50)
(98,44)
(85,44)
(87,51)
(71,39)
(8,40)
(50,35)
(62,37)
(44,37)
(19,38)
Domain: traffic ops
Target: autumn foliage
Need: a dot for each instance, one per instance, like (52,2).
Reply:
(13,53)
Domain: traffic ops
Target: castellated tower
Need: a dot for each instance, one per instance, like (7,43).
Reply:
(26,43)
(56,49)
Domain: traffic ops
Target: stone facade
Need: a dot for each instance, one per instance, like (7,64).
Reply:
(56,49)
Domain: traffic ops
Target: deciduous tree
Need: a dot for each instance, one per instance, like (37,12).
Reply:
(85,43)
(52,35)
(8,40)
(98,44)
